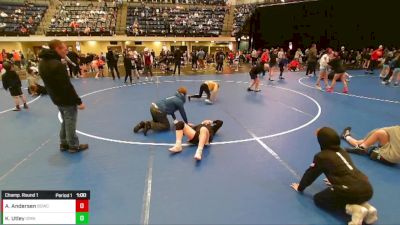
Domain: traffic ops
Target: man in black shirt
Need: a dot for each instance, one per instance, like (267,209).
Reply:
(349,187)
(112,63)
(255,70)
(62,93)
(73,64)
(178,60)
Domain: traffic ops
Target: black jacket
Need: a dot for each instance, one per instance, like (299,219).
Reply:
(74,57)
(337,166)
(111,58)
(178,56)
(56,79)
(11,80)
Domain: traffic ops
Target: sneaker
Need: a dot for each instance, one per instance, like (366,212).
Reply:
(80,148)
(318,87)
(208,101)
(64,147)
(385,82)
(357,150)
(281,78)
(138,127)
(357,213)
(329,90)
(258,90)
(26,106)
(17,109)
(271,79)
(146,79)
(249,89)
(372,215)
(345,90)
(146,128)
(345,133)
(396,84)
(189,98)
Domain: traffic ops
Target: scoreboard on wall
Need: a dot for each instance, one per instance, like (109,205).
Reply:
(45,207)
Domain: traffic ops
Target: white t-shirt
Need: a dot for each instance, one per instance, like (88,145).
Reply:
(324,60)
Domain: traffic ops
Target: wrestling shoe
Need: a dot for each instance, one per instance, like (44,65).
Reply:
(271,79)
(357,213)
(258,90)
(281,78)
(318,87)
(17,108)
(80,148)
(189,98)
(372,215)
(138,127)
(249,89)
(345,90)
(329,90)
(385,82)
(146,128)
(208,101)
(345,133)
(26,106)
(396,84)
(64,147)
(357,150)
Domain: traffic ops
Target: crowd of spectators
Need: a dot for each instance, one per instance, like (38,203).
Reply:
(192,2)
(20,18)
(85,18)
(241,14)
(175,21)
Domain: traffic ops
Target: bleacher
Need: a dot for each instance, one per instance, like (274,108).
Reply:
(190,2)
(176,21)
(84,19)
(242,13)
(18,19)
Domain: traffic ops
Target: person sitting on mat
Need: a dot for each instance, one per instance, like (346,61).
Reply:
(349,190)
(211,89)
(161,109)
(388,139)
(201,135)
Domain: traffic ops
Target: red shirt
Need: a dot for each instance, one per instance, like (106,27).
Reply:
(265,57)
(147,60)
(376,55)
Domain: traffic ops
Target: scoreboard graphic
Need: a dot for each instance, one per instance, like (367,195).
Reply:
(45,207)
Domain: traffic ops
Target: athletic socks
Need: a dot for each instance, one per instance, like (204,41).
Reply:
(357,213)
(199,153)
(372,215)
(177,148)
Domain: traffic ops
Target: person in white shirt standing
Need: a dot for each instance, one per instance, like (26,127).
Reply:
(323,69)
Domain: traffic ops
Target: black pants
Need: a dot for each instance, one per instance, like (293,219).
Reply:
(73,71)
(194,64)
(331,200)
(160,121)
(220,66)
(311,66)
(113,67)
(128,73)
(177,64)
(203,88)
(372,65)
(281,68)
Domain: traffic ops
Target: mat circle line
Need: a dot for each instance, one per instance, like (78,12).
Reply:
(214,143)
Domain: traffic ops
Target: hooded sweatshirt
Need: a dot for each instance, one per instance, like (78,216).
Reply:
(56,80)
(337,166)
(172,104)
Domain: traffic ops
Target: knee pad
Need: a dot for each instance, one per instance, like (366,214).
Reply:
(180,125)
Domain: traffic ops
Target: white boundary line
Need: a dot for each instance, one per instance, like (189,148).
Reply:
(147,192)
(30,102)
(214,143)
(25,159)
(349,95)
